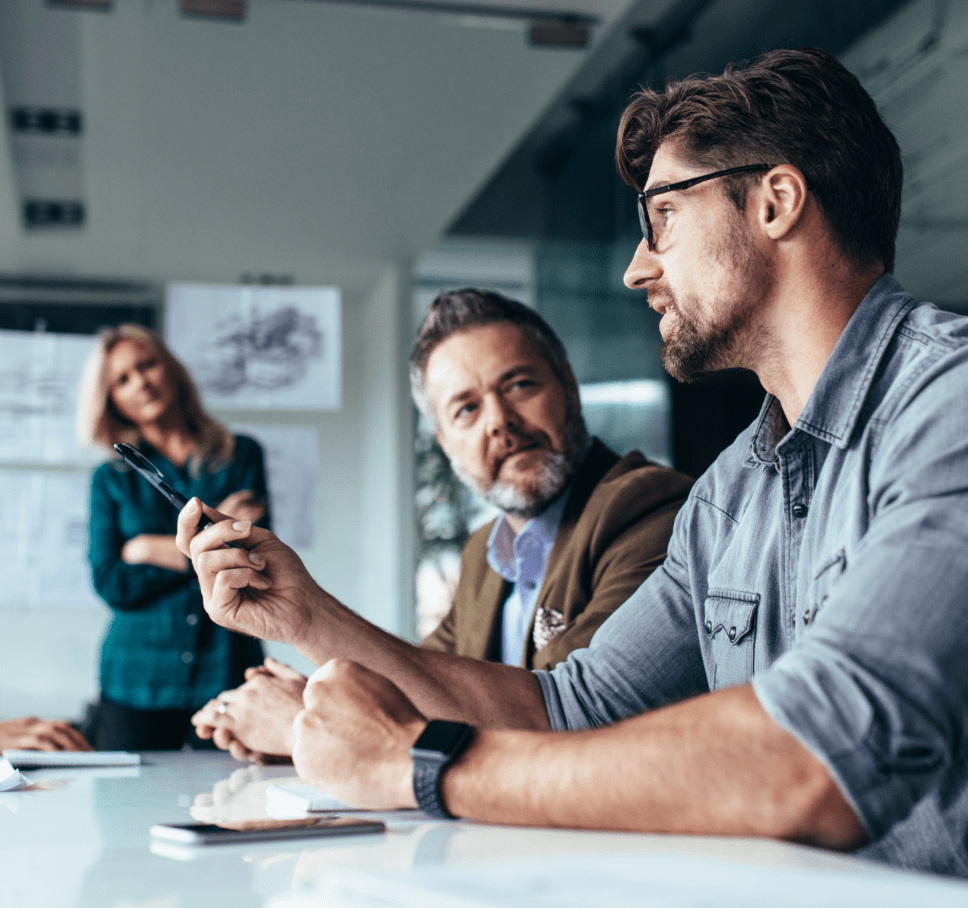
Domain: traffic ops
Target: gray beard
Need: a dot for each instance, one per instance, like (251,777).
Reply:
(557,471)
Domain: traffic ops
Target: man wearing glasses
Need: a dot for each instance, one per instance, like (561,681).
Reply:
(797,668)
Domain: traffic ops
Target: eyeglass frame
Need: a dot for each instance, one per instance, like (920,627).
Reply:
(648,234)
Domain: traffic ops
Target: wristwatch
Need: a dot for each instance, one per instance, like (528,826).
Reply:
(439,745)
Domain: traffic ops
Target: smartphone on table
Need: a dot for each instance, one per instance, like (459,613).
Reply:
(264,830)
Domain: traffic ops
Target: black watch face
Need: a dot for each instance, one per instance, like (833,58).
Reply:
(441,736)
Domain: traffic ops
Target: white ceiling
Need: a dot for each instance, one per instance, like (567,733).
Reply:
(313,139)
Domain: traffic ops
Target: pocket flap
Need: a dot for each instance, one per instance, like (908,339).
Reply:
(730,613)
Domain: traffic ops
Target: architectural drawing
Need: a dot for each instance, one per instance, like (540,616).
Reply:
(290,460)
(44,520)
(39,376)
(258,347)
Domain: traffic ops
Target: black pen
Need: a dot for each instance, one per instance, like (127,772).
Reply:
(137,461)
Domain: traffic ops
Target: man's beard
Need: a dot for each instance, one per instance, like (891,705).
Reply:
(693,349)
(690,352)
(556,472)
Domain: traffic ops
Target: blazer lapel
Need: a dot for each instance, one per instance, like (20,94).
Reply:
(484,621)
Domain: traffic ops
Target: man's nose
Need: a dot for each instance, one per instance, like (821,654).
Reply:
(499,419)
(643,268)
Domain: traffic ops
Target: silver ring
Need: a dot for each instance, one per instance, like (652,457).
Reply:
(223,708)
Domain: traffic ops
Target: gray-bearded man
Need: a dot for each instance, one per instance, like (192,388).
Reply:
(580,529)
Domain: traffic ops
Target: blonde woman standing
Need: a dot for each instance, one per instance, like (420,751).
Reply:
(162,657)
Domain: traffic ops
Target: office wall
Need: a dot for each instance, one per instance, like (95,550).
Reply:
(48,663)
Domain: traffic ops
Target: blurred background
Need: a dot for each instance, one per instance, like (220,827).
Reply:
(321,169)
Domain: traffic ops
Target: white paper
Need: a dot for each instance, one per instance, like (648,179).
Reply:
(47,758)
(40,374)
(258,348)
(10,778)
(295,799)
(44,524)
(290,459)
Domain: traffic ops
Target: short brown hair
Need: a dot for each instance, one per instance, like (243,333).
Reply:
(99,421)
(799,107)
(458,310)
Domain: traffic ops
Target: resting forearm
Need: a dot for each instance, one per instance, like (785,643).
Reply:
(159,551)
(715,765)
(441,685)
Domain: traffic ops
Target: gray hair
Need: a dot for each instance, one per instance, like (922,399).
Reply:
(458,310)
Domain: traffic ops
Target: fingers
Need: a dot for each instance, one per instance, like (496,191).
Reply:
(51,735)
(283,671)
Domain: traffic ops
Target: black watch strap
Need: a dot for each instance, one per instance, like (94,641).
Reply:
(440,744)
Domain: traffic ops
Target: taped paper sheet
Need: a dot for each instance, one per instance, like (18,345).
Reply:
(258,348)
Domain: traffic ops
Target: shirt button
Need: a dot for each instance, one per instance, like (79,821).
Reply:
(709,628)
(192,620)
(188,658)
(806,616)
(799,510)
(530,584)
(732,633)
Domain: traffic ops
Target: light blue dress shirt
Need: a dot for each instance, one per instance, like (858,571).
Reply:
(827,564)
(522,560)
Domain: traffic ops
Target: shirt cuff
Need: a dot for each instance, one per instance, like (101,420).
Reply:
(832,720)
(549,690)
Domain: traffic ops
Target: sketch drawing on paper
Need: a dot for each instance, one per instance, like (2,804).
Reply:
(39,375)
(269,352)
(258,347)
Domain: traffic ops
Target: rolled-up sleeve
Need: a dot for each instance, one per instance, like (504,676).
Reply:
(878,687)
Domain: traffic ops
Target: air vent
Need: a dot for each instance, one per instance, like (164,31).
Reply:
(559,34)
(53,213)
(215,9)
(82,4)
(46,121)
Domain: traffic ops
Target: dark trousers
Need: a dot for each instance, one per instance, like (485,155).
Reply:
(119,727)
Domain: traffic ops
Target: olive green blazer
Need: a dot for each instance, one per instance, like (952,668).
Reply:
(613,534)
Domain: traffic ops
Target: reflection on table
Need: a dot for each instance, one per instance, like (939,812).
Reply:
(80,838)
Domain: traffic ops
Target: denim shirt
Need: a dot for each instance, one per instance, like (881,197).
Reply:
(827,565)
(522,560)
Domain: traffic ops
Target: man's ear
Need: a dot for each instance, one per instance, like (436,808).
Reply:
(781,198)
(440,441)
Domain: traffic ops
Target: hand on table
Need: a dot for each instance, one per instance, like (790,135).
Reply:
(260,587)
(244,505)
(256,722)
(40,734)
(353,738)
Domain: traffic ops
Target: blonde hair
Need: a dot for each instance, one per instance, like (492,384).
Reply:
(99,422)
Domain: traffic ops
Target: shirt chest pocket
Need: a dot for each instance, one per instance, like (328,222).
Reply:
(729,632)
(824,580)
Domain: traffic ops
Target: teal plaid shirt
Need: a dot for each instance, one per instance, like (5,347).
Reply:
(161,650)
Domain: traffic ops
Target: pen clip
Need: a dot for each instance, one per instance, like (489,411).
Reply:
(137,461)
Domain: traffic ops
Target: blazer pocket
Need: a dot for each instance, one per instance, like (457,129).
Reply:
(729,626)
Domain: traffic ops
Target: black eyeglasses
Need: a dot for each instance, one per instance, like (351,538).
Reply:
(646,224)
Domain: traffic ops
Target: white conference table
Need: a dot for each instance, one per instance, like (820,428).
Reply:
(79,839)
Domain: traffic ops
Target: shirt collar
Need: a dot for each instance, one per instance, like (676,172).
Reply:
(834,405)
(504,547)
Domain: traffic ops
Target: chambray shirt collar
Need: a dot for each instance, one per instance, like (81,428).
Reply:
(506,551)
(834,406)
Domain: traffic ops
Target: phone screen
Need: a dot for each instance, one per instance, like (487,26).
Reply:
(264,830)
